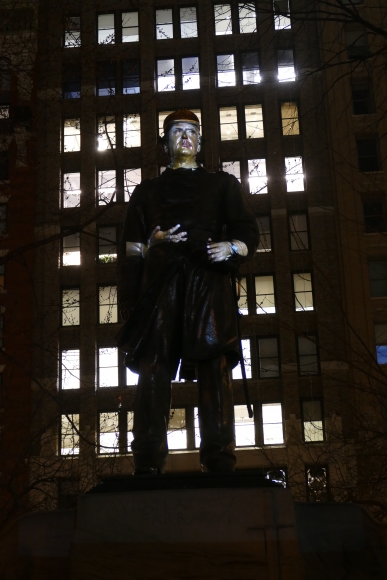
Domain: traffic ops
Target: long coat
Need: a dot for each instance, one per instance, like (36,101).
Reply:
(206,205)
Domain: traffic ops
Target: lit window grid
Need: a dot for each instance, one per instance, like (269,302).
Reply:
(166,80)
(246,353)
(190,73)
(225,68)
(164,24)
(243,305)
(107,183)
(132,130)
(264,295)
(244,427)
(107,305)
(247,18)
(107,244)
(254,122)
(132,178)
(294,174)
(106,133)
(303,294)
(188,22)
(272,424)
(69,435)
(71,135)
(108,433)
(108,367)
(71,251)
(232,167)
(268,356)
(281,21)
(257,177)
(223,20)
(70,369)
(228,122)
(130,30)
(106,32)
(72,35)
(70,307)
(264,234)
(289,118)
(71,190)
(286,73)
(177,429)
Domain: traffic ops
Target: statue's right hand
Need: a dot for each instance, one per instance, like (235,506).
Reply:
(158,236)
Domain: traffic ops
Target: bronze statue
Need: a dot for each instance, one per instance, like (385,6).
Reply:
(183,235)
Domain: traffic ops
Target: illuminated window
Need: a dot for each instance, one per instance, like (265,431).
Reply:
(225,70)
(243,305)
(381,343)
(106,81)
(130,77)
(69,434)
(196,428)
(132,178)
(289,118)
(378,278)
(71,250)
(164,24)
(106,186)
(71,190)
(254,121)
(298,226)
(70,372)
(71,135)
(107,244)
(356,40)
(268,358)
(132,130)
(317,483)
(246,353)
(107,300)
(263,222)
(272,426)
(130,27)
(228,119)
(131,378)
(72,35)
(257,177)
(108,367)
(106,33)
(129,429)
(70,307)
(177,429)
(232,167)
(247,18)
(190,73)
(223,23)
(108,433)
(106,133)
(286,70)
(250,68)
(264,293)
(244,427)
(4,112)
(307,355)
(312,422)
(166,75)
(303,295)
(188,22)
(281,15)
(294,174)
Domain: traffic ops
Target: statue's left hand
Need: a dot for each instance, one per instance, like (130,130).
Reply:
(219,251)
(158,236)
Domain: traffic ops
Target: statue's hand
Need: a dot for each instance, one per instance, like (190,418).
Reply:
(219,251)
(158,236)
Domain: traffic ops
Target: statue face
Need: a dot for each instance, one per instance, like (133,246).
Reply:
(183,140)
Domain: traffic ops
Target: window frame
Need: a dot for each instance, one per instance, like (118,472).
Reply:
(259,358)
(121,368)
(261,423)
(121,13)
(100,227)
(66,30)
(274,294)
(61,379)
(110,304)
(97,29)
(296,213)
(303,421)
(300,274)
(307,337)
(77,435)
(62,247)
(61,313)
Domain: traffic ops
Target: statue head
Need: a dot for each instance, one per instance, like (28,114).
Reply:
(182,138)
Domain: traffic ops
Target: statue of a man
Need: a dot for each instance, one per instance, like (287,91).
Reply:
(183,235)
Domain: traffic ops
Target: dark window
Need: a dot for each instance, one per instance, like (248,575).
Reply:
(378,278)
(374,216)
(307,355)
(268,358)
(356,40)
(1,338)
(68,492)
(106,83)
(298,227)
(72,84)
(263,222)
(130,77)
(368,155)
(5,75)
(362,98)
(4,166)
(250,68)
(107,244)
(317,482)
(3,219)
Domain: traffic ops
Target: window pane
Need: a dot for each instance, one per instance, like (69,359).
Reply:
(237,371)
(264,292)
(71,253)
(281,14)
(108,433)
(107,245)
(72,35)
(228,123)
(225,70)
(244,427)
(294,174)
(289,116)
(312,421)
(272,424)
(188,23)
(106,85)
(247,18)
(132,130)
(131,378)
(70,307)
(378,278)
(381,343)
(130,27)
(254,121)
(242,293)
(130,430)
(368,155)
(298,226)
(130,77)
(166,75)
(70,372)
(263,222)
(69,434)
(106,133)
(196,427)
(108,311)
(232,167)
(71,135)
(106,29)
(71,192)
(356,40)
(108,367)
(191,77)
(286,71)
(307,354)
(164,26)
(177,430)
(303,291)
(250,68)
(257,176)
(223,24)
(106,186)
(374,216)
(132,178)
(268,358)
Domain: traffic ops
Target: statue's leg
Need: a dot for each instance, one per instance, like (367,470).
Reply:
(216,415)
